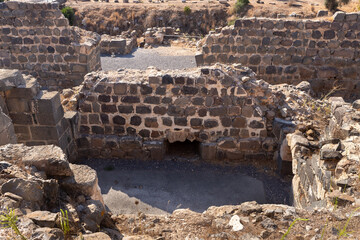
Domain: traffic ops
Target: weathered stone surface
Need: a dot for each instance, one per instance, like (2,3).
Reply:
(10,79)
(48,233)
(330,152)
(43,218)
(95,236)
(27,189)
(84,181)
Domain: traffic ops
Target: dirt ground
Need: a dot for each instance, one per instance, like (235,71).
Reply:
(266,8)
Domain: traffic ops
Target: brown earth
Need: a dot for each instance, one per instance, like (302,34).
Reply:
(113,18)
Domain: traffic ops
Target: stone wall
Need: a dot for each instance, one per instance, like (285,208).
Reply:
(117,44)
(37,115)
(291,51)
(133,113)
(36,39)
(326,168)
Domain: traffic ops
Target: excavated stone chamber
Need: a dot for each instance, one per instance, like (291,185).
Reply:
(136,114)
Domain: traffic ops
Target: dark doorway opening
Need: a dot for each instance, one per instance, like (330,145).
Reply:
(187,149)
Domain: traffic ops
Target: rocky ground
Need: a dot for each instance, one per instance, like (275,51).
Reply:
(111,17)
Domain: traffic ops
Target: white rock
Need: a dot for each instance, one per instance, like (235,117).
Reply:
(235,223)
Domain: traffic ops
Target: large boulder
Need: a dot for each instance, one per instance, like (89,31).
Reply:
(48,158)
(84,181)
(7,133)
(10,79)
(27,189)
(92,214)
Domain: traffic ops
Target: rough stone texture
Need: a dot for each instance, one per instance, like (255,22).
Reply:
(95,236)
(10,79)
(27,189)
(325,171)
(48,158)
(291,51)
(84,181)
(37,117)
(37,39)
(117,45)
(221,104)
(7,133)
(43,218)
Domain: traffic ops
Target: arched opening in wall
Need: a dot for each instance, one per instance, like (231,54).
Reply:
(183,150)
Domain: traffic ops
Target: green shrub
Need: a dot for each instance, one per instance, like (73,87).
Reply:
(187,10)
(69,13)
(240,4)
(332,5)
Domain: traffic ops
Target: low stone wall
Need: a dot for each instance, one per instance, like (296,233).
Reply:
(37,39)
(326,169)
(117,45)
(291,51)
(37,115)
(131,114)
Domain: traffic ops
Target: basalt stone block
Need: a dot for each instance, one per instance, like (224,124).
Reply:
(209,123)
(156,149)
(120,88)
(152,100)
(104,118)
(97,130)
(135,120)
(44,133)
(189,90)
(104,98)
(253,145)
(119,120)
(256,124)
(144,90)
(255,59)
(151,123)
(217,111)
(167,79)
(226,121)
(196,122)
(21,118)
(160,91)
(167,121)
(180,121)
(208,151)
(143,109)
(130,99)
(160,110)
(108,108)
(239,122)
(144,133)
(125,109)
(329,34)
(198,101)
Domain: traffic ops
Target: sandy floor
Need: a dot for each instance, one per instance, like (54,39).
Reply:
(161,187)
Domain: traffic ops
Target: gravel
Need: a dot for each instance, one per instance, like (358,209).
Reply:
(143,58)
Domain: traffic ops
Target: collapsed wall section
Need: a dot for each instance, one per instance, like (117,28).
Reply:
(36,116)
(38,40)
(291,51)
(131,113)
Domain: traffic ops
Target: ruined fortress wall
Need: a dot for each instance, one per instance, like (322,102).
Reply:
(36,39)
(291,51)
(34,116)
(131,114)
